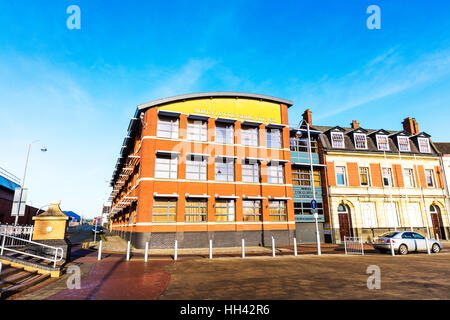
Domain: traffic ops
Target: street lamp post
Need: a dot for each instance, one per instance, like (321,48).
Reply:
(43,149)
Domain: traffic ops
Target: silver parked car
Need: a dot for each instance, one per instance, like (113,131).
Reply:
(404,242)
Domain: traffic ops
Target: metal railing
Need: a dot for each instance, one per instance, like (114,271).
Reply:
(32,248)
(8,175)
(22,232)
(353,245)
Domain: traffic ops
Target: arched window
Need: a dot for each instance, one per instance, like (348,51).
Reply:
(433,209)
(342,208)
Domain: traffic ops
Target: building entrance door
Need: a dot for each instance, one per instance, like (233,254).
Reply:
(345,222)
(436,219)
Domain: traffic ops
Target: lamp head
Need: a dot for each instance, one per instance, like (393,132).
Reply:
(44,149)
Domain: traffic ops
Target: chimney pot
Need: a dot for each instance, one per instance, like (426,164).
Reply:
(355,124)
(307,116)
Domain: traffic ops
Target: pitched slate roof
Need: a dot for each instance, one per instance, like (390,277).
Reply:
(443,147)
(371,140)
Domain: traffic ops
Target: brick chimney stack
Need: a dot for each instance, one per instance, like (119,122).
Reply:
(410,125)
(307,116)
(355,124)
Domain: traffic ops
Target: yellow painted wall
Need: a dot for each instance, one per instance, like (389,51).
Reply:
(58,229)
(239,109)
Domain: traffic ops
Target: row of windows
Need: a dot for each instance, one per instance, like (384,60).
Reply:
(360,140)
(166,167)
(389,216)
(386,174)
(304,208)
(165,210)
(197,130)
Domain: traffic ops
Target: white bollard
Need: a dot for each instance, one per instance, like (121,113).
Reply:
(128,251)
(362,247)
(273,247)
(146,252)
(100,250)
(392,248)
(210,248)
(0,267)
(243,248)
(175,255)
(295,246)
(428,245)
(437,237)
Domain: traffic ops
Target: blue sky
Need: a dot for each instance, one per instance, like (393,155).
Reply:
(75,90)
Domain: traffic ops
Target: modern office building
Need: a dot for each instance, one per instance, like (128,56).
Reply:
(206,166)
(380,180)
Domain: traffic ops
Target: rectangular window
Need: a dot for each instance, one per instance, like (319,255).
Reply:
(196,210)
(250,172)
(166,167)
(224,210)
(424,145)
(301,144)
(275,173)
(387,177)
(337,140)
(429,177)
(360,141)
(167,127)
(197,130)
(277,210)
(164,210)
(196,167)
(403,143)
(224,133)
(340,176)
(252,210)
(304,208)
(408,177)
(273,138)
(364,176)
(302,177)
(390,209)
(414,215)
(224,169)
(369,215)
(250,136)
(382,142)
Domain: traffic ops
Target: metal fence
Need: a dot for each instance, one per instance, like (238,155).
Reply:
(353,245)
(17,232)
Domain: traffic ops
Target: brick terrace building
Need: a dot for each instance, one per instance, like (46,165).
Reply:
(206,166)
(381,180)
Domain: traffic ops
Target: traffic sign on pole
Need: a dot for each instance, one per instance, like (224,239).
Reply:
(313,204)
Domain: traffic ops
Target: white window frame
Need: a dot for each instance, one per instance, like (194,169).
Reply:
(167,127)
(356,142)
(250,136)
(406,139)
(432,176)
(171,204)
(344,172)
(230,206)
(382,136)
(226,165)
(391,179)
(279,206)
(335,143)
(414,214)
(254,210)
(274,138)
(197,130)
(405,176)
(369,215)
(391,213)
(427,145)
(368,176)
(166,167)
(275,173)
(228,129)
(196,168)
(200,209)
(254,169)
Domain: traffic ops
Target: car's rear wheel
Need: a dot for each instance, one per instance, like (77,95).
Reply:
(435,248)
(403,249)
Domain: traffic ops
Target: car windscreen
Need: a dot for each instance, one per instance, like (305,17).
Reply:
(388,234)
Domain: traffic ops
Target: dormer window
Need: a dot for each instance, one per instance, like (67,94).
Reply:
(403,143)
(337,140)
(382,142)
(424,145)
(360,141)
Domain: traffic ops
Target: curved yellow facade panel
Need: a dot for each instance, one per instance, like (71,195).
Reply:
(240,109)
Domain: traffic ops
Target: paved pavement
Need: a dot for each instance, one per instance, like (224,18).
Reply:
(194,276)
